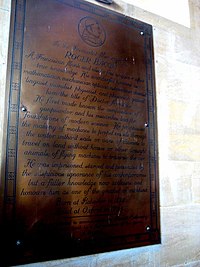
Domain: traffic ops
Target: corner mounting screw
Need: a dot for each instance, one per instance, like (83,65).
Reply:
(18,242)
(148,228)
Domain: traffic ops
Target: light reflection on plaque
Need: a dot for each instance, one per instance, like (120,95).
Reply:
(81,156)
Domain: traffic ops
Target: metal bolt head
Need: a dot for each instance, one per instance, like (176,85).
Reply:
(24,109)
(18,242)
(148,228)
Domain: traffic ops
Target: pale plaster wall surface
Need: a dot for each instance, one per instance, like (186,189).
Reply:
(177,65)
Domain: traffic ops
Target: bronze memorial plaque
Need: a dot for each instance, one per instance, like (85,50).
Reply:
(80,169)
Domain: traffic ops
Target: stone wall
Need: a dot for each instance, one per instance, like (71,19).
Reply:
(177,63)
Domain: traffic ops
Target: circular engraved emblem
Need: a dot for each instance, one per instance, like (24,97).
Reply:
(91,32)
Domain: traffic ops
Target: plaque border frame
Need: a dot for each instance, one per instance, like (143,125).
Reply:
(13,87)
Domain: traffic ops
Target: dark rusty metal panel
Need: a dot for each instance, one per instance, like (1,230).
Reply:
(81,171)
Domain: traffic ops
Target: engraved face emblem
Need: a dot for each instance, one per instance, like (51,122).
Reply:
(91,32)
